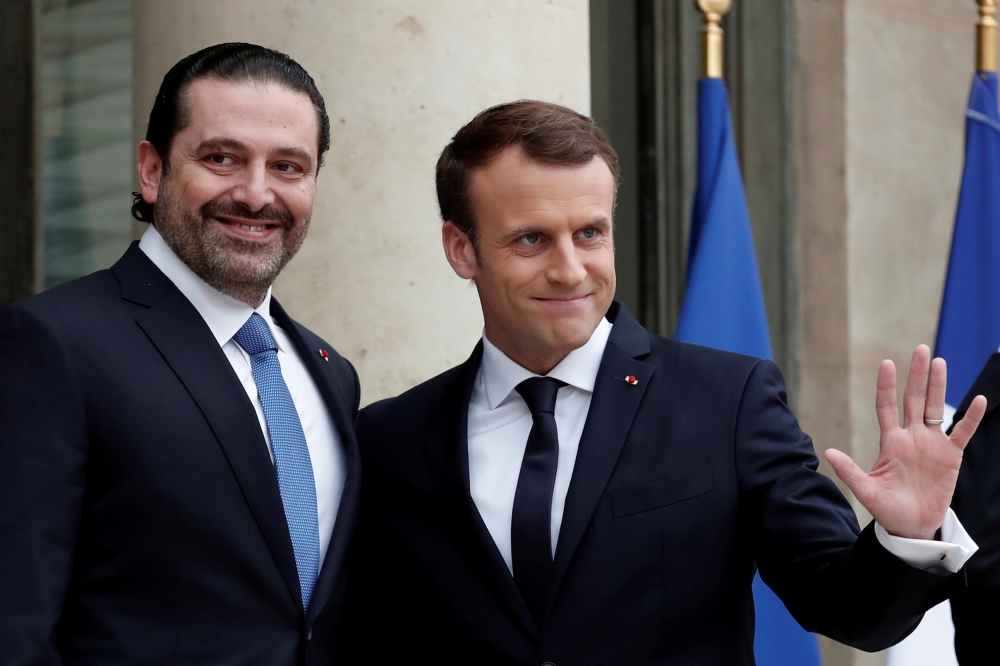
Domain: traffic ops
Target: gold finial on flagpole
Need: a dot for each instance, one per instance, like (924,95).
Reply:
(711,35)
(986,37)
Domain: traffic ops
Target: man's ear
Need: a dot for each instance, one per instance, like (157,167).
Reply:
(150,172)
(459,250)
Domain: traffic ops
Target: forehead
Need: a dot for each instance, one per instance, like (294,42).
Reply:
(513,183)
(264,115)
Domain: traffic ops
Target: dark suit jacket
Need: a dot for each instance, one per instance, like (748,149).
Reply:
(684,484)
(976,611)
(140,518)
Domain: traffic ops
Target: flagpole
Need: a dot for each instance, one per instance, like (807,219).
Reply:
(986,37)
(711,35)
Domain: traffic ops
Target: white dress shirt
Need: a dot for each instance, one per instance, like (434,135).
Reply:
(225,316)
(499,423)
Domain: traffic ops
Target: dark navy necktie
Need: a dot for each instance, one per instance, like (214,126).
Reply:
(530,528)
(291,454)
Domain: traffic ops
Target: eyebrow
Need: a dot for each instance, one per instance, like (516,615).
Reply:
(222,143)
(228,143)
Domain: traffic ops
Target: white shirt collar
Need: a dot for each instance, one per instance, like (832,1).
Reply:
(579,369)
(224,314)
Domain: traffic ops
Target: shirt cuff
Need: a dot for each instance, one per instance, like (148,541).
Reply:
(950,553)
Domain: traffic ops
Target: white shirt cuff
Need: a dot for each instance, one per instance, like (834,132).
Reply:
(951,552)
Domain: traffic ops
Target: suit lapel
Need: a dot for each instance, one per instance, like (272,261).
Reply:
(453,459)
(612,409)
(186,343)
(337,402)
(184,340)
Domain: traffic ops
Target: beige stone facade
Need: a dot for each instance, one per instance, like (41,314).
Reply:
(880,90)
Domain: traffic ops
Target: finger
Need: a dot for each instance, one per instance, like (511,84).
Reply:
(966,428)
(853,476)
(934,408)
(885,397)
(916,385)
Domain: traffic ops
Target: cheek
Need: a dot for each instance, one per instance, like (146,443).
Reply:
(196,192)
(603,268)
(300,199)
(526,278)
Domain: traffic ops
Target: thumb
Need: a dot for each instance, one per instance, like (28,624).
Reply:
(852,475)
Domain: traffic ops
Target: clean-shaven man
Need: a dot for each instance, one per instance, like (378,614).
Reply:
(583,492)
(178,465)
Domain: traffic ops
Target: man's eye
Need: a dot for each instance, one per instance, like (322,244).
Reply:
(531,239)
(285,167)
(589,233)
(221,159)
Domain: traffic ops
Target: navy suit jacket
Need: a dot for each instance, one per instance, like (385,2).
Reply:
(976,610)
(140,518)
(685,483)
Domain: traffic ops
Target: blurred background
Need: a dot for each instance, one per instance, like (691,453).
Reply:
(848,118)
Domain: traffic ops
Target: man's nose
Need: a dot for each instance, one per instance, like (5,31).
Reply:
(567,266)
(254,190)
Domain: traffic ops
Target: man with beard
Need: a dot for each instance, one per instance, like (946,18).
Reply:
(177,455)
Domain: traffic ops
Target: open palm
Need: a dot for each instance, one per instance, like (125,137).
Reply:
(911,485)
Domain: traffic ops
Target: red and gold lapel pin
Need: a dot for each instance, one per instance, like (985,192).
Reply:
(632,380)
(325,354)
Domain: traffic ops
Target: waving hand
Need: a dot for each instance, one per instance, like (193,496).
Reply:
(911,485)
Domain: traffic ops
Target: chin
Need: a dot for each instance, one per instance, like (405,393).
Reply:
(567,341)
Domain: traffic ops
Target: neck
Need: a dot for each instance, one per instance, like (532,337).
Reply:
(539,362)
(251,293)
(252,296)
(539,366)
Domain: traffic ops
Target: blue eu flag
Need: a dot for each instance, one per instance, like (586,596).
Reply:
(969,328)
(724,308)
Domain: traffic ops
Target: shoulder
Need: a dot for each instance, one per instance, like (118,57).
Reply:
(434,408)
(72,308)
(409,410)
(48,337)
(74,298)
(705,368)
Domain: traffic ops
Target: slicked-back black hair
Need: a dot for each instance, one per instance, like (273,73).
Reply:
(236,62)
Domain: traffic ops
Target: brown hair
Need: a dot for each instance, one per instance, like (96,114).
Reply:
(548,133)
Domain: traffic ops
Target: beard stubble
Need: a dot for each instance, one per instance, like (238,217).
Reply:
(239,268)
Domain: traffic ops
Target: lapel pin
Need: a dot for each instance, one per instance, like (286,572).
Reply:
(632,380)
(325,354)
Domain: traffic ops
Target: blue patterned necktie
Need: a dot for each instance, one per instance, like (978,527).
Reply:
(291,455)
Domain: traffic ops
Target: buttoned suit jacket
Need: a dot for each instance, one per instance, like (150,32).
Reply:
(976,610)
(141,520)
(687,480)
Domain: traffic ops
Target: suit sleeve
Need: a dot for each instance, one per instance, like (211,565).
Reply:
(976,614)
(43,450)
(834,578)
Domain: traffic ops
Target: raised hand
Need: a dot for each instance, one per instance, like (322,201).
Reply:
(910,487)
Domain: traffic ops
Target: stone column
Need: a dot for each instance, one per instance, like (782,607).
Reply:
(399,78)
(881,92)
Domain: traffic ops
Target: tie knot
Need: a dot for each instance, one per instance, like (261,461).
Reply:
(540,394)
(255,337)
